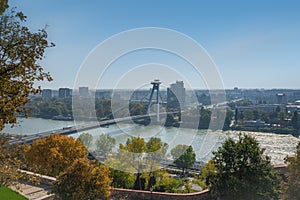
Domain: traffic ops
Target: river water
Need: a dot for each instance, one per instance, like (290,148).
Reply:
(277,146)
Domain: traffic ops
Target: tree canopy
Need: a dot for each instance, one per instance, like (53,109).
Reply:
(11,160)
(156,150)
(242,171)
(184,156)
(54,154)
(205,171)
(121,179)
(291,188)
(140,157)
(84,181)
(20,51)
(3,6)
(104,145)
(134,151)
(86,139)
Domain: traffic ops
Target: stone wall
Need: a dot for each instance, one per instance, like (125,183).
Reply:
(118,193)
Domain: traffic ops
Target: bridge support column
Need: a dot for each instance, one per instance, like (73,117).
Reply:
(155,86)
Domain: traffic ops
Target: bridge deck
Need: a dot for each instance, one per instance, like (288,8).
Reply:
(74,129)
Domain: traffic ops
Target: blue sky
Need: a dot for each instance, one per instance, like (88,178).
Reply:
(254,43)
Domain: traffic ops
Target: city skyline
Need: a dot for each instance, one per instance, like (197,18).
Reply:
(254,44)
(177,93)
(148,86)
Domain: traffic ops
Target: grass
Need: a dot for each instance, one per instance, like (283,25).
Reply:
(8,194)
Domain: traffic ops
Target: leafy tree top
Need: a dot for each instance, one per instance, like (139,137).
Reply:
(292,186)
(184,156)
(86,139)
(243,171)
(54,154)
(135,145)
(3,6)
(20,51)
(11,160)
(104,145)
(84,181)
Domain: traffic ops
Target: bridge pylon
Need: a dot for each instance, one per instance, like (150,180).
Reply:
(155,86)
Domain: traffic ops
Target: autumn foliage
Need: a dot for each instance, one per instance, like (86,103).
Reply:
(54,154)
(10,162)
(84,181)
(20,52)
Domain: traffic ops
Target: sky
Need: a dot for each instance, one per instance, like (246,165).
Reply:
(253,43)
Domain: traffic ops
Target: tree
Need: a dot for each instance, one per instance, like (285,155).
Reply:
(104,145)
(155,145)
(10,162)
(295,122)
(54,154)
(184,156)
(121,174)
(121,179)
(48,108)
(83,181)
(156,150)
(205,117)
(292,186)
(243,172)
(138,156)
(3,6)
(206,171)
(86,139)
(228,118)
(135,147)
(20,51)
(168,184)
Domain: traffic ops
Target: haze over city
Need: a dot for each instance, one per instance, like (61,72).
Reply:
(255,44)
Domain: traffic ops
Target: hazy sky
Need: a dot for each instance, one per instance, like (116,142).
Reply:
(254,43)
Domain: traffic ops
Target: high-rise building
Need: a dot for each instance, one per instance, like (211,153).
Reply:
(64,93)
(47,94)
(84,91)
(176,95)
(281,98)
(103,94)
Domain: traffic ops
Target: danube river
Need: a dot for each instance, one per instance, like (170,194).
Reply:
(277,146)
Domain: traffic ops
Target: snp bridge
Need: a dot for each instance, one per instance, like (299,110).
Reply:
(74,129)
